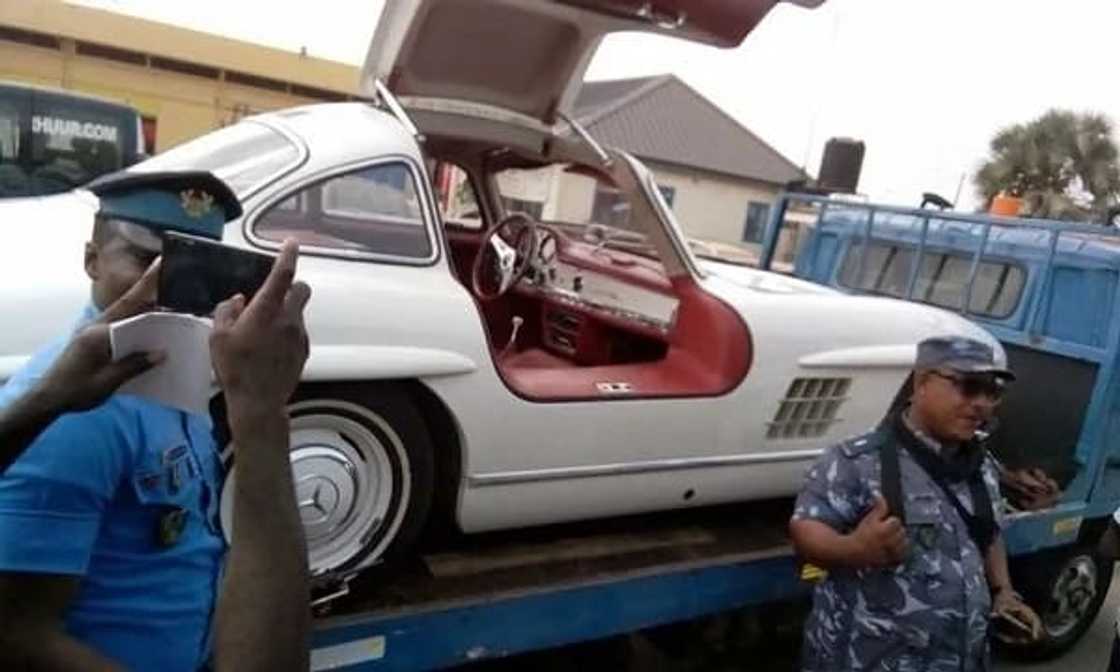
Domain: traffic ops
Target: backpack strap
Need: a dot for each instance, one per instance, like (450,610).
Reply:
(890,477)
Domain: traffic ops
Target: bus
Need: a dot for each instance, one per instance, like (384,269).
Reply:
(53,140)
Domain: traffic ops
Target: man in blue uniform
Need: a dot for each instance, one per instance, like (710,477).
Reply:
(906,521)
(110,551)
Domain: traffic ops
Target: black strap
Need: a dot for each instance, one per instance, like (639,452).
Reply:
(981,528)
(890,478)
(981,523)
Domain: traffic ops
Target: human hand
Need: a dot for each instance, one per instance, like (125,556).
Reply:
(1031,489)
(879,539)
(258,350)
(84,375)
(1007,603)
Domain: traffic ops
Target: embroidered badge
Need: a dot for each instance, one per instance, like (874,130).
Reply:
(196,203)
(174,454)
(171,526)
(150,482)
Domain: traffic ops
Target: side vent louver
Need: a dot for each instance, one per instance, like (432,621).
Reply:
(809,408)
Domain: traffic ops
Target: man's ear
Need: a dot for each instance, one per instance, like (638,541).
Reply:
(91,256)
(920,379)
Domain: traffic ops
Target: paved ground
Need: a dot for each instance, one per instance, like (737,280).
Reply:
(709,647)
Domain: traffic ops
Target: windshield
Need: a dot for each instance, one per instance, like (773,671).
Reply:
(581,203)
(246,156)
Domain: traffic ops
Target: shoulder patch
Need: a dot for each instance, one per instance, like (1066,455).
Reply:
(865,443)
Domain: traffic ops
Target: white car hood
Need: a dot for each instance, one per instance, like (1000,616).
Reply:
(841,330)
(763,281)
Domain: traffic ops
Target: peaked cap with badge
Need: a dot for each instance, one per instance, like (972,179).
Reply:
(192,202)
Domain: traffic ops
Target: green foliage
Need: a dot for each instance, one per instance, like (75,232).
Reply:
(1063,165)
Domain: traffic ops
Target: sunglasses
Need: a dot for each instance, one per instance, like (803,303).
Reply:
(971,387)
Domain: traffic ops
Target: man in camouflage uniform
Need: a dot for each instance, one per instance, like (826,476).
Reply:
(1109,549)
(911,590)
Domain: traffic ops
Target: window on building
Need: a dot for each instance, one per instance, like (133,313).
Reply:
(668,193)
(375,210)
(758,214)
(941,281)
(148,126)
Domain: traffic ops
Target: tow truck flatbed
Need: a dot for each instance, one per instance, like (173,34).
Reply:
(499,595)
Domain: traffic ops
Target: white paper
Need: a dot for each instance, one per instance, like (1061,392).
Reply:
(183,379)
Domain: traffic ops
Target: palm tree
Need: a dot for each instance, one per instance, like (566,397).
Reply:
(1063,165)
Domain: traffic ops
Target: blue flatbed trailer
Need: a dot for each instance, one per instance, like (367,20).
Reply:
(504,595)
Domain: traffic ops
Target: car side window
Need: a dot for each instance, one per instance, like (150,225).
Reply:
(458,203)
(375,210)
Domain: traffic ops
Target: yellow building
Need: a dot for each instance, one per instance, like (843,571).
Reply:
(183,82)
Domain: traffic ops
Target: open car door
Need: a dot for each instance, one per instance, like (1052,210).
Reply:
(529,57)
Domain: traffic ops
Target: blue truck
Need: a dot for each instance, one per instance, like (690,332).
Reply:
(498,595)
(1048,291)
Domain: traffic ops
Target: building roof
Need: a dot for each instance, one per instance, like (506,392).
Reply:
(663,119)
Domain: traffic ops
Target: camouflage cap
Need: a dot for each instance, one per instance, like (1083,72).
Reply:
(963,355)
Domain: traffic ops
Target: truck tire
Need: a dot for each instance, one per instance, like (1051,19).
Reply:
(363,465)
(1066,587)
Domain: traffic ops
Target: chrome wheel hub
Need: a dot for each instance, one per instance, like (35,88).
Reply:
(344,475)
(1071,598)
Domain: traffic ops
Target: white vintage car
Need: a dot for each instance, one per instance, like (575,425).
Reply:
(557,353)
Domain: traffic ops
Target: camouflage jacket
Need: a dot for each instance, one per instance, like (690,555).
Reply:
(928,614)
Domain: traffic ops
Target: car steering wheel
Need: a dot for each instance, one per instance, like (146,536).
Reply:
(511,262)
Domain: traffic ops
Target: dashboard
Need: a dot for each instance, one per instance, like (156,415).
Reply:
(573,285)
(590,293)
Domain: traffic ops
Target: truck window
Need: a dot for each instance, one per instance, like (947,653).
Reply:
(71,145)
(1079,305)
(13,178)
(941,280)
(53,140)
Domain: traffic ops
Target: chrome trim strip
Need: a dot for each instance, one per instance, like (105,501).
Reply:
(589,139)
(396,110)
(630,468)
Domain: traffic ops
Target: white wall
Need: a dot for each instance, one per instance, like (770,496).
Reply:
(711,206)
(572,198)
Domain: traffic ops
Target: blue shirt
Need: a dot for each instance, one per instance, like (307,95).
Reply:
(89,498)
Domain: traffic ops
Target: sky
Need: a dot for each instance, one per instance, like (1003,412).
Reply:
(924,83)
